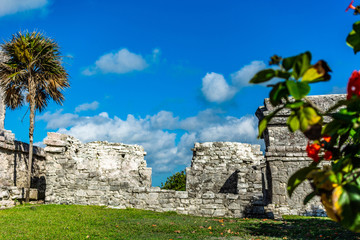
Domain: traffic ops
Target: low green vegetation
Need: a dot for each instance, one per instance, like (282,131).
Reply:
(91,222)
(175,182)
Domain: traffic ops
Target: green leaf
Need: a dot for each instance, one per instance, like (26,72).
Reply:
(295,105)
(353,39)
(288,63)
(303,121)
(331,128)
(264,122)
(309,197)
(346,117)
(262,126)
(311,115)
(298,89)
(282,74)
(349,202)
(298,177)
(310,75)
(263,76)
(343,131)
(278,92)
(293,123)
(301,65)
(318,72)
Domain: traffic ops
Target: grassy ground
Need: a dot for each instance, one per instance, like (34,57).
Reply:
(90,222)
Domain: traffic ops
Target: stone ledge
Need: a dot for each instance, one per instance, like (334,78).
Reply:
(17,146)
(289,159)
(54,142)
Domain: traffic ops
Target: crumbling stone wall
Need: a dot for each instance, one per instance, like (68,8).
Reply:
(116,175)
(13,170)
(225,167)
(285,154)
(224,180)
(90,173)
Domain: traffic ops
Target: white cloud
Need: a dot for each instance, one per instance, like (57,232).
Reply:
(242,77)
(226,129)
(165,149)
(156,55)
(208,116)
(216,89)
(9,7)
(338,90)
(120,62)
(58,119)
(87,106)
(164,120)
(232,129)
(89,71)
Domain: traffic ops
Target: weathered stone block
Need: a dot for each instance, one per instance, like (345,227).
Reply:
(207,212)
(207,195)
(181,194)
(50,149)
(54,142)
(33,194)
(219,213)
(234,206)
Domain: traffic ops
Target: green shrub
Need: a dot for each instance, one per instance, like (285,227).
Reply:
(175,182)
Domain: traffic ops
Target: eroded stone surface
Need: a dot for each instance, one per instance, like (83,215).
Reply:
(13,170)
(224,180)
(285,154)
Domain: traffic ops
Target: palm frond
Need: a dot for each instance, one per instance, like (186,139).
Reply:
(32,56)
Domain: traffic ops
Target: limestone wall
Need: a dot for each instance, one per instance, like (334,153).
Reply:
(224,180)
(90,173)
(13,170)
(285,154)
(225,167)
(116,175)
(208,204)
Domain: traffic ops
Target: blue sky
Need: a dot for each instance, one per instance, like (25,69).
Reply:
(165,74)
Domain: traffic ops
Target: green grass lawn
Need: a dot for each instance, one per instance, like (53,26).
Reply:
(90,222)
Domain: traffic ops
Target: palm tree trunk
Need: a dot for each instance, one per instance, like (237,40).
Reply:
(32,93)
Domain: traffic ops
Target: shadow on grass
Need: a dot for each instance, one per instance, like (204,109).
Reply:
(296,228)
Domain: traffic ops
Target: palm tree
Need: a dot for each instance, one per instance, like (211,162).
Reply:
(32,72)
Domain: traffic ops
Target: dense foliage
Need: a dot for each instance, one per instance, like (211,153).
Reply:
(337,142)
(175,182)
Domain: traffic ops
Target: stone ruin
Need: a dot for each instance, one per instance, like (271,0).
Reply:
(225,179)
